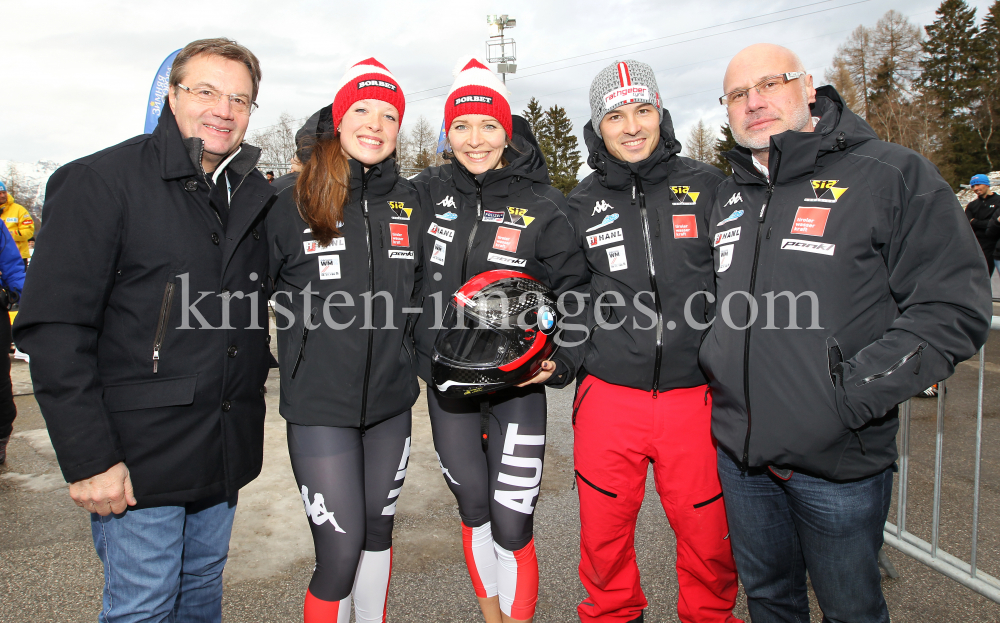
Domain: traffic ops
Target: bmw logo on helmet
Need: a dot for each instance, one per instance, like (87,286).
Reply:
(546,319)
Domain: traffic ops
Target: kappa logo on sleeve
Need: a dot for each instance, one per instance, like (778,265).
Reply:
(826,191)
(684,196)
(519,217)
(400,213)
(493,216)
(329,267)
(399,234)
(443,233)
(605,237)
(616,258)
(685,226)
(809,246)
(730,235)
(810,221)
(506,239)
(337,244)
(440,249)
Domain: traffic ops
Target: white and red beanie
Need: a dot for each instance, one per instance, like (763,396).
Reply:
(624,82)
(367,80)
(477,91)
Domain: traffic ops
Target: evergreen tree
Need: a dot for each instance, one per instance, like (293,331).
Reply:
(560,148)
(984,107)
(722,145)
(534,115)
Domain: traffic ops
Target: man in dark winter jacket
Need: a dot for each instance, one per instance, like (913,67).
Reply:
(146,322)
(982,213)
(642,218)
(847,281)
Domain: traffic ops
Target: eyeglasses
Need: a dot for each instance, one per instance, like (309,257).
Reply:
(767,87)
(240,104)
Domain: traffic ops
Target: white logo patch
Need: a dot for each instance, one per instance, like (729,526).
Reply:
(603,238)
(736,198)
(337,244)
(490,216)
(447,216)
(725,258)
(601,206)
(505,259)
(624,95)
(395,254)
(441,232)
(522,500)
(390,509)
(822,248)
(611,218)
(616,258)
(730,235)
(437,256)
(317,510)
(732,217)
(329,267)
(447,202)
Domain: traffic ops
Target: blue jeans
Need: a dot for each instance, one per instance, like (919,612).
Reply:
(164,563)
(781,529)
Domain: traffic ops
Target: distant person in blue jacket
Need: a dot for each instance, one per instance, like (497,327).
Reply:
(12,280)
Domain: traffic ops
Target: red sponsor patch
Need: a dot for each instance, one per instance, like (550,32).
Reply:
(810,221)
(507,239)
(685,226)
(399,234)
(27,221)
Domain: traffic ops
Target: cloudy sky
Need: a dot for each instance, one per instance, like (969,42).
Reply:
(76,75)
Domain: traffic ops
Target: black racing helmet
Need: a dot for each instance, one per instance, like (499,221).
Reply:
(498,329)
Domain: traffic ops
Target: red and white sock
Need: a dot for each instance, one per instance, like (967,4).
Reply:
(319,611)
(371,586)
(517,581)
(481,559)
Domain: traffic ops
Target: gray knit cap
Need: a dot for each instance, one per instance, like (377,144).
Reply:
(623,82)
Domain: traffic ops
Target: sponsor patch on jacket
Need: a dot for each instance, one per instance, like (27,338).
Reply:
(601,206)
(11,219)
(447,216)
(447,202)
(605,237)
(625,95)
(736,198)
(400,213)
(474,99)
(810,221)
(519,217)
(441,232)
(337,244)
(685,226)
(491,216)
(684,196)
(730,235)
(732,217)
(376,83)
(437,256)
(397,254)
(506,239)
(329,266)
(825,191)
(399,234)
(725,258)
(506,259)
(809,246)
(27,221)
(616,258)
(611,218)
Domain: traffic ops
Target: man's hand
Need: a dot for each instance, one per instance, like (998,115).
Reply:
(110,492)
(548,367)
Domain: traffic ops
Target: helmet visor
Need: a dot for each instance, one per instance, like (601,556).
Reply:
(470,346)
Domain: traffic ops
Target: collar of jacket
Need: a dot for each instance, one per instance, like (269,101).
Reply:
(796,155)
(379,178)
(178,155)
(616,174)
(525,167)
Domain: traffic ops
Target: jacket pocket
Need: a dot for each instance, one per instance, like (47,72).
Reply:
(302,344)
(593,486)
(579,402)
(915,353)
(162,322)
(172,392)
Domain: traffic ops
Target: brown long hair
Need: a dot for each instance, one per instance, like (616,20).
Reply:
(323,188)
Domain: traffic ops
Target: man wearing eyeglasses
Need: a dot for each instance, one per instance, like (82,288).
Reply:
(847,281)
(146,322)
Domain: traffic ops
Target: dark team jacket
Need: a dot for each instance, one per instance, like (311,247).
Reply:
(982,212)
(892,294)
(340,369)
(504,219)
(125,317)
(644,228)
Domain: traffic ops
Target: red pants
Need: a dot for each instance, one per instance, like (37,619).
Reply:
(618,431)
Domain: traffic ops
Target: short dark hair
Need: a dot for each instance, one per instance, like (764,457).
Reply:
(219,46)
(271,173)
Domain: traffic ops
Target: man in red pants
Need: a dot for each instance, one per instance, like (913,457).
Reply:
(642,219)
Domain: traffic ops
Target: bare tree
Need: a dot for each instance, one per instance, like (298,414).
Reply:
(423,142)
(701,143)
(839,76)
(277,142)
(857,56)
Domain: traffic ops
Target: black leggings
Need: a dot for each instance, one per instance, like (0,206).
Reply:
(349,484)
(500,486)
(8,410)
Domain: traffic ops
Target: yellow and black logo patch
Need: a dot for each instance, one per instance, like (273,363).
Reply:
(684,196)
(826,191)
(399,212)
(519,217)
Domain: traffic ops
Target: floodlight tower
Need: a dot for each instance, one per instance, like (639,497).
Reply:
(498,49)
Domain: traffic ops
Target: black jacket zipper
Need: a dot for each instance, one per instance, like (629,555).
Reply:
(637,185)
(910,355)
(161,325)
(371,290)
(475,226)
(746,343)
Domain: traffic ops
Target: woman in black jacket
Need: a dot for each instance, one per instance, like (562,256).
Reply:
(493,208)
(345,262)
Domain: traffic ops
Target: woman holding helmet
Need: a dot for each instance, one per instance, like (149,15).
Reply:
(343,231)
(492,208)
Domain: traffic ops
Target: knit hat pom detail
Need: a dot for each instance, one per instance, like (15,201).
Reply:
(367,80)
(477,91)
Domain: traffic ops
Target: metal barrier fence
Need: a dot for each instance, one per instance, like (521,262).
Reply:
(897,536)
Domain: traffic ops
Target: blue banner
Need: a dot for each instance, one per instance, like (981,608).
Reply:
(158,93)
(442,138)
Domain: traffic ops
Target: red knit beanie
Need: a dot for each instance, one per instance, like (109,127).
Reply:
(367,80)
(477,91)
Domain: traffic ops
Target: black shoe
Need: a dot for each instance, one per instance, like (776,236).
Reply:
(638,619)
